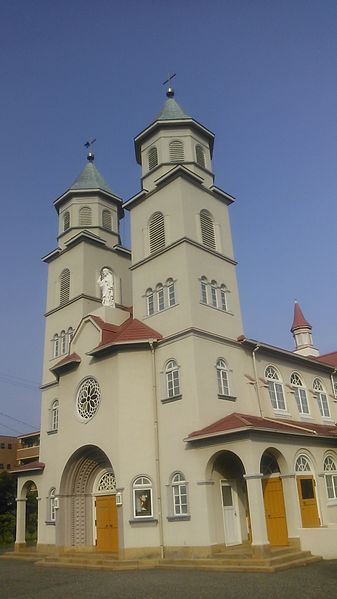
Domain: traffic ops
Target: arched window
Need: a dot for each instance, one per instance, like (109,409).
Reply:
(149,302)
(63,340)
(171,292)
(56,346)
(64,286)
(156,232)
(275,388)
(152,157)
(330,472)
(214,286)
(300,393)
(203,290)
(322,398)
(207,229)
(160,297)
(269,464)
(176,151)
(222,376)
(54,416)
(302,464)
(179,494)
(106,220)
(51,505)
(223,298)
(66,221)
(85,216)
(142,497)
(172,379)
(70,334)
(200,156)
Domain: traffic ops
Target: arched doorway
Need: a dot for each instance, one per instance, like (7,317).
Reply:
(273,498)
(28,502)
(87,515)
(306,488)
(231,503)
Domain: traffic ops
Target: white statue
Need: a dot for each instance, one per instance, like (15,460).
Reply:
(106,283)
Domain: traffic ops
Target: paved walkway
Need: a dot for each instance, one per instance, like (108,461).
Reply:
(20,579)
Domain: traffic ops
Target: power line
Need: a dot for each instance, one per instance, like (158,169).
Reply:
(16,420)
(10,429)
(18,380)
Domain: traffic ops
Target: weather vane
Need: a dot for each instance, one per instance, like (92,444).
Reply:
(88,145)
(170,91)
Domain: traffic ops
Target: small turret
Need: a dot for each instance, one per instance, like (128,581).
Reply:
(301,330)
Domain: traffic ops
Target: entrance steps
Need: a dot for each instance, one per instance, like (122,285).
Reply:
(238,559)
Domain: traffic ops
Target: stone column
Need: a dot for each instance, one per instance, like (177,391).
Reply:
(20,523)
(256,509)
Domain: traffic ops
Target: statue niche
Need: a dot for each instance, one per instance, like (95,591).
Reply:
(106,283)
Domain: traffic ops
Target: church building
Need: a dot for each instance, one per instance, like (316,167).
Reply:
(165,431)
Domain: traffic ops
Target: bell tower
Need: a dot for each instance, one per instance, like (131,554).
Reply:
(89,270)
(183,266)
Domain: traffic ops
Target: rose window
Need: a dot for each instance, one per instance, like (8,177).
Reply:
(88,398)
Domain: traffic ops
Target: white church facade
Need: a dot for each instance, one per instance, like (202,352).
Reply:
(164,430)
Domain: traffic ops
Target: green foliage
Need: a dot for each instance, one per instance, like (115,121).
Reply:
(7,529)
(7,493)
(31,517)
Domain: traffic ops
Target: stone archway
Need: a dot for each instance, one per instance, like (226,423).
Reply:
(75,519)
(230,510)
(27,515)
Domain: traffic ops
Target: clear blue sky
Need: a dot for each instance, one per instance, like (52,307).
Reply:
(260,74)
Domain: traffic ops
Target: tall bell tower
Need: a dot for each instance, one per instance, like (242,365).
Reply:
(89,251)
(183,268)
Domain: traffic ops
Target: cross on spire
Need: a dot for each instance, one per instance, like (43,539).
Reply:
(170,92)
(88,145)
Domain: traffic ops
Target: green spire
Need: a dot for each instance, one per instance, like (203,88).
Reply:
(90,178)
(171,110)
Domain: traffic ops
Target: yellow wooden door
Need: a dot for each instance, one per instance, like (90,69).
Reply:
(106,523)
(308,503)
(275,511)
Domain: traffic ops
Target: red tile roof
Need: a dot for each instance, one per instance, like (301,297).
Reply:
(299,321)
(28,467)
(330,358)
(69,360)
(236,422)
(130,330)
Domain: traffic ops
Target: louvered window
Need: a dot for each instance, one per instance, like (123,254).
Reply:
(157,232)
(207,229)
(152,158)
(176,150)
(85,216)
(200,156)
(66,221)
(64,286)
(106,220)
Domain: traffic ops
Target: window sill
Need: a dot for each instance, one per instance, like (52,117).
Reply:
(49,523)
(332,502)
(227,397)
(170,399)
(327,418)
(183,518)
(143,520)
(305,416)
(217,309)
(161,311)
(281,413)
(52,432)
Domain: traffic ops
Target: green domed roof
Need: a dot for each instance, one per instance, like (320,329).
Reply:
(90,178)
